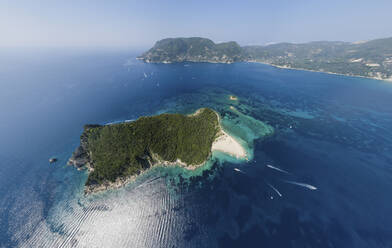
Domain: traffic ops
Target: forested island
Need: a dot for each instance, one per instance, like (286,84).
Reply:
(371,59)
(115,154)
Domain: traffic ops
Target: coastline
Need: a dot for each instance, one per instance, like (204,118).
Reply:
(223,142)
(265,63)
(326,72)
(123,181)
(187,61)
(227,144)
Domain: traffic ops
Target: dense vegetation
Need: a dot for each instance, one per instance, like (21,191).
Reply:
(369,59)
(129,148)
(193,49)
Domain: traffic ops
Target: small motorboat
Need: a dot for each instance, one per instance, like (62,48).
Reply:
(52,160)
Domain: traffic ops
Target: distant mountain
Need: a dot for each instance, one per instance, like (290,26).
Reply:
(367,59)
(193,49)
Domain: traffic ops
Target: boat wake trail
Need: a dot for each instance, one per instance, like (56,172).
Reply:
(276,168)
(308,186)
(275,189)
(147,182)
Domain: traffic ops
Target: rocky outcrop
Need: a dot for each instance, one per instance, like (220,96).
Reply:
(80,157)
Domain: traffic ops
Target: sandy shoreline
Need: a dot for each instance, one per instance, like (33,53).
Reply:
(227,144)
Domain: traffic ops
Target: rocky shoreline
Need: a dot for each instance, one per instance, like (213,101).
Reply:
(81,161)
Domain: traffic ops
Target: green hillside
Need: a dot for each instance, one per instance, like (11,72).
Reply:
(125,149)
(193,49)
(369,59)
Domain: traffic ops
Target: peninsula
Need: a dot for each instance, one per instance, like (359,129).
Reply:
(372,59)
(115,154)
(193,49)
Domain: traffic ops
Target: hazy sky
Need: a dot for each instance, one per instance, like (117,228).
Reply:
(141,23)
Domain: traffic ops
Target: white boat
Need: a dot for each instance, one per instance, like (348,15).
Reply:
(52,160)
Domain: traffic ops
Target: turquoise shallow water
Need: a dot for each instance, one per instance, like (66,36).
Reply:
(331,132)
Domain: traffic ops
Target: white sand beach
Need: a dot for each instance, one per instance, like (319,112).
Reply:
(227,144)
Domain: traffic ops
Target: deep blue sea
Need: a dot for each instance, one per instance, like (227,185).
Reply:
(320,173)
